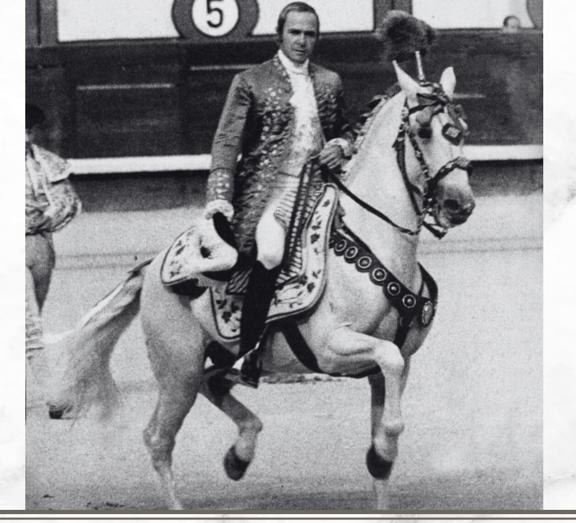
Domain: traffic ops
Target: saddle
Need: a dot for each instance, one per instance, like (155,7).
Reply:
(201,257)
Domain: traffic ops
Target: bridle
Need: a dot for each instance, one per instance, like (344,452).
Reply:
(438,102)
(410,305)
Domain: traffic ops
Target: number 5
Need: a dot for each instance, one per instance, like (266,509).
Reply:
(214,10)
(215,17)
(199,20)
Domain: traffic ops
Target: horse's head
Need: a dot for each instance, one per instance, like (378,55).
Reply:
(434,129)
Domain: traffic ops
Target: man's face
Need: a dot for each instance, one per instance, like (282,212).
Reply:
(513,25)
(299,36)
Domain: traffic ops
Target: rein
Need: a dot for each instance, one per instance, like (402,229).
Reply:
(365,205)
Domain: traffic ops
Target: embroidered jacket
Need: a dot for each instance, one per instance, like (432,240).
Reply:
(257,123)
(51,202)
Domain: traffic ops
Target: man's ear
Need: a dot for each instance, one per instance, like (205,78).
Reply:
(409,86)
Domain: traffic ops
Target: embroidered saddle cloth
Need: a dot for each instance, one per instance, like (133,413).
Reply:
(196,251)
(300,283)
(298,286)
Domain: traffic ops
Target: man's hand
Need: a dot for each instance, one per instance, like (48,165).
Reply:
(37,220)
(331,156)
(222,206)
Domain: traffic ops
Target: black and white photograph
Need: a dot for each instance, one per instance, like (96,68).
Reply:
(287,257)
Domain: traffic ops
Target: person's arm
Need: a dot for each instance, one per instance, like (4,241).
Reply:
(346,136)
(342,145)
(65,204)
(36,219)
(226,147)
(62,203)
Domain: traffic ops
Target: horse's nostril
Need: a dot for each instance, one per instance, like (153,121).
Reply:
(452,205)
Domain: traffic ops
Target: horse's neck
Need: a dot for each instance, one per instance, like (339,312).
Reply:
(374,176)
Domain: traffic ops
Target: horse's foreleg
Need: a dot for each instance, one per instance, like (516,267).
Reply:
(241,454)
(387,422)
(384,448)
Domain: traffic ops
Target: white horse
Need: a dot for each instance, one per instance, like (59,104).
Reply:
(408,165)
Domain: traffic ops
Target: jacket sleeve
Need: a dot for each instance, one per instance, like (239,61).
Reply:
(228,139)
(344,133)
(64,203)
(55,168)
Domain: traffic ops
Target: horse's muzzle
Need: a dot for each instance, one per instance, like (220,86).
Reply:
(456,213)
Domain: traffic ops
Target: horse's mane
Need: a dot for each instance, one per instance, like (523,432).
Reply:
(366,119)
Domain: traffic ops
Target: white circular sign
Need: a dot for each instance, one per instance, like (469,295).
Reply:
(215,17)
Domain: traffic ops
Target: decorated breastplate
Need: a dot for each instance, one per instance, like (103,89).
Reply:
(410,305)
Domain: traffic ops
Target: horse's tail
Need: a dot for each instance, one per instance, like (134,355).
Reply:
(84,378)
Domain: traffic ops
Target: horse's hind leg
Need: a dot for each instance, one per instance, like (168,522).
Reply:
(175,343)
(240,455)
(174,402)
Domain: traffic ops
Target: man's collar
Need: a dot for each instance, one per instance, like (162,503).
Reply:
(293,67)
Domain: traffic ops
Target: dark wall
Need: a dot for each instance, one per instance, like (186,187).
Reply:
(163,98)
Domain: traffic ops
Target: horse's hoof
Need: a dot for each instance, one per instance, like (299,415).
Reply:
(59,411)
(234,466)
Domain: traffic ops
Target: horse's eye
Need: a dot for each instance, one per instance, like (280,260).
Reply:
(425,132)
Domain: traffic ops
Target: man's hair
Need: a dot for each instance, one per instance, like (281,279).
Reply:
(34,116)
(298,7)
(508,19)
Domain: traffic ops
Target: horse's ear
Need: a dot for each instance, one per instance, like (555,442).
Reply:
(448,81)
(408,85)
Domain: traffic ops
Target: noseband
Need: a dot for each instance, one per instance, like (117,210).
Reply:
(438,102)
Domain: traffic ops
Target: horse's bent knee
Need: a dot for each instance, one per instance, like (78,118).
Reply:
(379,467)
(390,358)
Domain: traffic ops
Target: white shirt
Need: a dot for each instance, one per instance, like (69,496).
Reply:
(308,137)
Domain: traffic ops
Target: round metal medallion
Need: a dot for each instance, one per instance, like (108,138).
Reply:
(340,246)
(409,301)
(363,264)
(393,288)
(379,275)
(351,252)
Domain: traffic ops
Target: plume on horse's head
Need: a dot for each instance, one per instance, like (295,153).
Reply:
(402,35)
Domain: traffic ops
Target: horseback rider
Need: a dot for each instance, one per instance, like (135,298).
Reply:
(277,115)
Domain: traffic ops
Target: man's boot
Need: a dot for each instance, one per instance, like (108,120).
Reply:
(251,368)
(257,301)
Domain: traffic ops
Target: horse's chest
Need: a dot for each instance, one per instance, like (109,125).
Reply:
(353,299)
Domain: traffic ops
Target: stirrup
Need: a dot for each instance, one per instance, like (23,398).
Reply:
(230,374)
(237,377)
